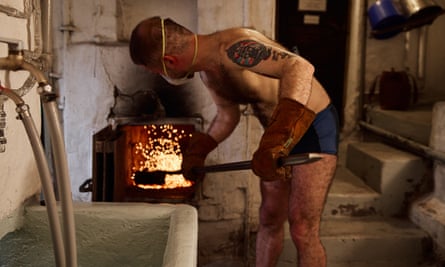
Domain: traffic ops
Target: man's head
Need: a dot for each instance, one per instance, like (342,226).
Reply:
(154,34)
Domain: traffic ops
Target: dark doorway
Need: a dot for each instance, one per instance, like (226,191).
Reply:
(317,30)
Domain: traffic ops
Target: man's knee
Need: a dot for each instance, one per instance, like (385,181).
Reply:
(272,218)
(305,230)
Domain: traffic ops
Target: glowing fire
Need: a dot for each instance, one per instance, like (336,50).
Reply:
(160,150)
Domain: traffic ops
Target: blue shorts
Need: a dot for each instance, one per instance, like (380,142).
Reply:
(323,134)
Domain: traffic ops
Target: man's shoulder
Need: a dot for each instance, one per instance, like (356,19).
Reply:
(231,35)
(238,32)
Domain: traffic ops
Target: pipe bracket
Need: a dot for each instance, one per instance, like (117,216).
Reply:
(68,28)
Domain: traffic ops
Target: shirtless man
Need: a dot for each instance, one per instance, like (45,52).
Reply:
(242,66)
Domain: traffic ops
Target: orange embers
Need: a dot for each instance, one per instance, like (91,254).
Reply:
(158,148)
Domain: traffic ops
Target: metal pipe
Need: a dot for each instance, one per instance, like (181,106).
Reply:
(15,61)
(423,33)
(46,7)
(3,139)
(61,166)
(355,73)
(413,146)
(12,61)
(45,175)
(407,49)
(363,57)
(13,96)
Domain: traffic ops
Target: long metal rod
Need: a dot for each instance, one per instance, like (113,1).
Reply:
(413,146)
(246,165)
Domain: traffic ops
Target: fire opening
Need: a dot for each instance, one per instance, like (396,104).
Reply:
(125,157)
(158,148)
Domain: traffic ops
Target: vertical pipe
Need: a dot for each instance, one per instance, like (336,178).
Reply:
(53,124)
(46,7)
(355,73)
(64,182)
(66,8)
(363,49)
(407,49)
(423,31)
(47,56)
(3,140)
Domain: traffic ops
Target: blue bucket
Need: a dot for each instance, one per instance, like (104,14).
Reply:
(384,16)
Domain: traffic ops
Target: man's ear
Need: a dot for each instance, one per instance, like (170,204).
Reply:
(170,61)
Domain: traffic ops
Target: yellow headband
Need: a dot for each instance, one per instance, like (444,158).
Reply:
(195,54)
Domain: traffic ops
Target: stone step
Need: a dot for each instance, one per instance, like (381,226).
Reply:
(350,196)
(414,124)
(391,172)
(369,241)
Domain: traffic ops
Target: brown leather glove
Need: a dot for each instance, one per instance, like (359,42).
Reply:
(198,148)
(289,123)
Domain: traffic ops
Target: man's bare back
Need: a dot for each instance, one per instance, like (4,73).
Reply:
(242,86)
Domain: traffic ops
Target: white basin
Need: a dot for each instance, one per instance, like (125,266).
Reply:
(110,234)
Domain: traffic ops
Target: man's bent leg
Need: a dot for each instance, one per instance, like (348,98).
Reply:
(273,213)
(309,187)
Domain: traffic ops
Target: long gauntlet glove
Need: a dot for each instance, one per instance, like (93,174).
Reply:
(289,123)
(199,147)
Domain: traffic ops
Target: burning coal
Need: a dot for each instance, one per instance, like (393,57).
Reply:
(158,148)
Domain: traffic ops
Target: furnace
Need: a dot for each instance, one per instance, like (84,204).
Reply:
(124,155)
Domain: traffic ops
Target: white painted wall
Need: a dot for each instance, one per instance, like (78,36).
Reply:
(19,179)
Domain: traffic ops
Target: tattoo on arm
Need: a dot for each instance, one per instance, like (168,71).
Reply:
(276,55)
(248,53)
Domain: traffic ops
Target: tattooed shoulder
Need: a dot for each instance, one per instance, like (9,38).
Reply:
(248,53)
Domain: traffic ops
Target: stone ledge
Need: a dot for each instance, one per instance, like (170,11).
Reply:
(429,214)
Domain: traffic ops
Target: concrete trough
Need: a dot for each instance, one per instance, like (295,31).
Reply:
(110,234)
